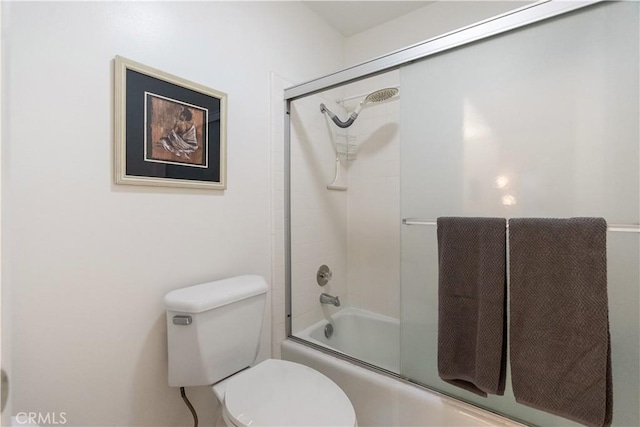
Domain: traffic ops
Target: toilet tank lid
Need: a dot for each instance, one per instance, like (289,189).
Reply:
(207,296)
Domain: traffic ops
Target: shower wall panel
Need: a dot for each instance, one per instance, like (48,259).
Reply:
(318,216)
(355,232)
(538,122)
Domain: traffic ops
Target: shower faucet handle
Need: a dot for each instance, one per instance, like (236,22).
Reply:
(323,275)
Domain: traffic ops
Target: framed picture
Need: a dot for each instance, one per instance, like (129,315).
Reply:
(168,131)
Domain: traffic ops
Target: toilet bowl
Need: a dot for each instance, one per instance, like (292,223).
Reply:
(213,336)
(282,393)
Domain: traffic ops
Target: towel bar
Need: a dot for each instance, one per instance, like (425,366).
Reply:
(625,228)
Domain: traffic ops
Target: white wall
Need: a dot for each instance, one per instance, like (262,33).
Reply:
(87,262)
(430,21)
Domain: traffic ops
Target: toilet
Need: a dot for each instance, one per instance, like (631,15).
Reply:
(213,332)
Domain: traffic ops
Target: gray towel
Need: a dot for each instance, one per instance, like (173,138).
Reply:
(471,310)
(560,349)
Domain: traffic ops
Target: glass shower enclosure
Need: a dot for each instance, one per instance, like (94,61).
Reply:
(533,114)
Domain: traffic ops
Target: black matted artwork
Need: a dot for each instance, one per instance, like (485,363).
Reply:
(169,131)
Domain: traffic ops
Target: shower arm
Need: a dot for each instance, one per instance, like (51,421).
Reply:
(352,118)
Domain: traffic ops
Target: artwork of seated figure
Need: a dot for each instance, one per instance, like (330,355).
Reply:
(181,141)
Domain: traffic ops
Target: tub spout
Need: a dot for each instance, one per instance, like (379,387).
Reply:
(328,299)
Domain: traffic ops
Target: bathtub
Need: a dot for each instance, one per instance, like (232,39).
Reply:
(367,336)
(382,400)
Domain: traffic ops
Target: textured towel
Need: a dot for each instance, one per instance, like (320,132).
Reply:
(560,349)
(471,309)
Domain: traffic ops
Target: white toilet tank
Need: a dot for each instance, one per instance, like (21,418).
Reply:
(213,329)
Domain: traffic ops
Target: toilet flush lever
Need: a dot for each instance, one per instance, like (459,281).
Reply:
(182,320)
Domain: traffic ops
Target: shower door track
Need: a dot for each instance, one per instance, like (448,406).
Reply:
(503,23)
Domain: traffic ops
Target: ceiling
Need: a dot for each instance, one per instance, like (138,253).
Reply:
(352,17)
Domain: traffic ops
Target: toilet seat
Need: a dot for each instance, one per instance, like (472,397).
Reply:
(282,393)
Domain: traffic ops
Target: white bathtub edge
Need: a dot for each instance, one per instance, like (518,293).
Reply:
(383,400)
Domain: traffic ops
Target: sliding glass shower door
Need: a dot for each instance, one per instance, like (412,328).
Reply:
(538,122)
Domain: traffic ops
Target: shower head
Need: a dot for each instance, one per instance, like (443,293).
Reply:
(381,95)
(377,96)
